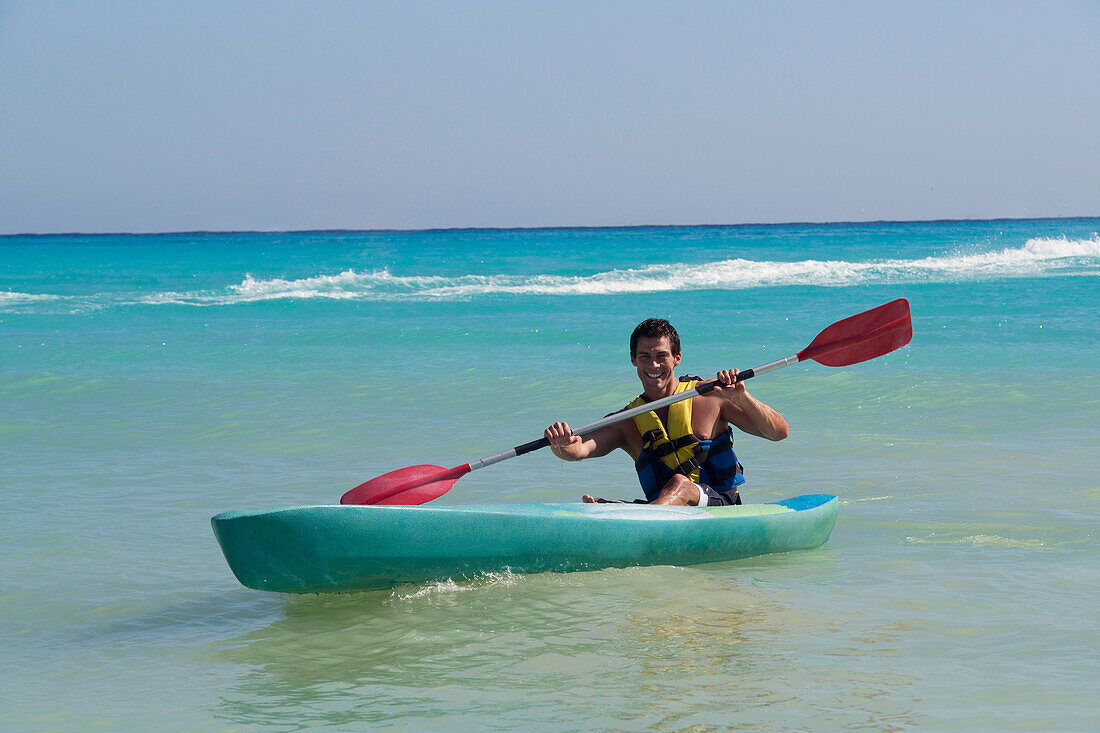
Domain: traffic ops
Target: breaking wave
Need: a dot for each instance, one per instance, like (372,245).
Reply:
(9,298)
(1036,257)
(1040,257)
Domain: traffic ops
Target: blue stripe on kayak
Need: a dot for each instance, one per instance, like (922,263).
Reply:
(807,501)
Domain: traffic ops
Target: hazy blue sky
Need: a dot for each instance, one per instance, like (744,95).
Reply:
(162,116)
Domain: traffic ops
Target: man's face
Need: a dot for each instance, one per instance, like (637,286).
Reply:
(656,364)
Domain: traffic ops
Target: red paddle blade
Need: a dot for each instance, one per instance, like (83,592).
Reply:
(862,336)
(412,485)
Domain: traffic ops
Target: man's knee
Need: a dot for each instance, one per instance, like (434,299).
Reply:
(679,490)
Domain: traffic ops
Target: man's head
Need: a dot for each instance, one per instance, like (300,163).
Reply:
(655,351)
(655,328)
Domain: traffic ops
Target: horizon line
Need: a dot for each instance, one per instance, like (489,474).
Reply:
(601,227)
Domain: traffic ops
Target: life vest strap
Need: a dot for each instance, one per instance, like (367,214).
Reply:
(660,448)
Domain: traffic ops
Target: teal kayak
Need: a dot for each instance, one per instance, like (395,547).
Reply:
(340,548)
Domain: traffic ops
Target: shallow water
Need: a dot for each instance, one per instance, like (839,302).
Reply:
(150,382)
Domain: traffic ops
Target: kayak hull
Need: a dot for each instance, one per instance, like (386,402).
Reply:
(341,548)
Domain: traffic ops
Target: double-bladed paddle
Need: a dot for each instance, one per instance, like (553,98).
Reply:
(857,338)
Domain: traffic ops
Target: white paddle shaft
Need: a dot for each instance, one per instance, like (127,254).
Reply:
(615,417)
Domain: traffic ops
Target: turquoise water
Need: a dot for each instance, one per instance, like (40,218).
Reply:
(149,382)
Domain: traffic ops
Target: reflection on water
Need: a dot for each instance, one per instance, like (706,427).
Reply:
(663,648)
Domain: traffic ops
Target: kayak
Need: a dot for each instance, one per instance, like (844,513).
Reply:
(342,548)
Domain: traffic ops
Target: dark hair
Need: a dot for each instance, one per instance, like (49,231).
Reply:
(655,328)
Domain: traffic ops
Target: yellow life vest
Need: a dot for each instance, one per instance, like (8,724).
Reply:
(675,446)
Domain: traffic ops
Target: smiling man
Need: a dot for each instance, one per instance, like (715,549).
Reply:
(683,452)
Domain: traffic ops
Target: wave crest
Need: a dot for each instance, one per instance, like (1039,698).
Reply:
(1038,257)
(9,297)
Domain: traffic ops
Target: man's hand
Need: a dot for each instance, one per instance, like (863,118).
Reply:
(561,439)
(748,413)
(730,388)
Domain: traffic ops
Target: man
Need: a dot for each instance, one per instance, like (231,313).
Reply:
(683,452)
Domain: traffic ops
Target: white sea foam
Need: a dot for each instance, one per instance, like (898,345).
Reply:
(1036,257)
(1039,257)
(505,578)
(981,540)
(8,297)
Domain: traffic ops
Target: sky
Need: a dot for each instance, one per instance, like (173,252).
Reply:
(220,115)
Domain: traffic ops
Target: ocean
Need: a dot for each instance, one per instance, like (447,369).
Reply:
(148,382)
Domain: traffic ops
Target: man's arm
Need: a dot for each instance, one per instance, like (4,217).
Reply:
(570,447)
(746,412)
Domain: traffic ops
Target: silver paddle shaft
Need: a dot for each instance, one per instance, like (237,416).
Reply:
(615,417)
